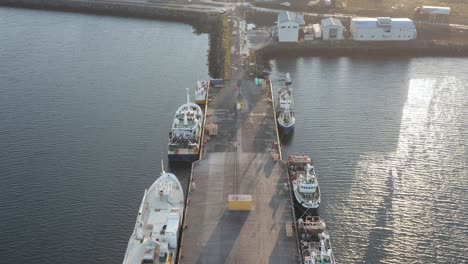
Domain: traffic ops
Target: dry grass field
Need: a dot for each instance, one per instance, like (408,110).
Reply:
(402,8)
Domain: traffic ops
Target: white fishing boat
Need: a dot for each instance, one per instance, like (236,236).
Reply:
(286,118)
(305,184)
(185,134)
(200,92)
(285,99)
(157,229)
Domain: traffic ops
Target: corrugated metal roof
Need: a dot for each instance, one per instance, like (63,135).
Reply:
(372,23)
(331,22)
(442,10)
(290,16)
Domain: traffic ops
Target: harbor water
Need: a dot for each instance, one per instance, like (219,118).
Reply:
(86,103)
(388,137)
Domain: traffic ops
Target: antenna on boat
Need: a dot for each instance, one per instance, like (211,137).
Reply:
(188,95)
(162,166)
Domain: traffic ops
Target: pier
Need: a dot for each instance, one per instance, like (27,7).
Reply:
(239,205)
(242,159)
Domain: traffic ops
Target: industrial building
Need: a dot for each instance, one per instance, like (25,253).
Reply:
(332,29)
(382,29)
(436,16)
(288,25)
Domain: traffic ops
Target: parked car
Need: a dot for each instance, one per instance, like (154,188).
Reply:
(285,4)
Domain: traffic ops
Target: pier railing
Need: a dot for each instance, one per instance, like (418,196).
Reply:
(274,117)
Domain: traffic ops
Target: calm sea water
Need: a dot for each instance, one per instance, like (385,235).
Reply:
(85,105)
(389,140)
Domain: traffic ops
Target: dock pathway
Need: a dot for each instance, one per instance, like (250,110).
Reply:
(239,160)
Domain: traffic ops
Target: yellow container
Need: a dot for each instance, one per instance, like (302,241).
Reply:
(240,202)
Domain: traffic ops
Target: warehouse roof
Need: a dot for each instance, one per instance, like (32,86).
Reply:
(372,22)
(441,10)
(327,22)
(291,17)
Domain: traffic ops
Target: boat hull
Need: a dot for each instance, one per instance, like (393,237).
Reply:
(183,157)
(285,129)
(302,211)
(154,214)
(200,102)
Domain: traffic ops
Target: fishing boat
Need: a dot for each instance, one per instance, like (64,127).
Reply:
(315,241)
(286,120)
(200,92)
(286,117)
(155,237)
(304,184)
(285,98)
(185,134)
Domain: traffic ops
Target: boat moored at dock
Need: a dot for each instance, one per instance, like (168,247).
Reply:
(200,92)
(314,241)
(286,118)
(305,187)
(185,134)
(157,228)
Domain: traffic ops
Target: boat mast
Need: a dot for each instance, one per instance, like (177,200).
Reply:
(188,95)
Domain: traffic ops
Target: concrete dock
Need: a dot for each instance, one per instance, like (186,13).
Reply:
(241,159)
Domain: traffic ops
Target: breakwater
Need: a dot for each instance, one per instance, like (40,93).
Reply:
(115,8)
(352,48)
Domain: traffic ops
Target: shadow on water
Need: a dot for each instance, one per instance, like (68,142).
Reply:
(182,170)
(378,236)
(223,238)
(286,138)
(346,108)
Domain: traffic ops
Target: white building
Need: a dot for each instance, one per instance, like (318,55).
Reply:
(288,26)
(382,29)
(332,29)
(433,15)
(437,10)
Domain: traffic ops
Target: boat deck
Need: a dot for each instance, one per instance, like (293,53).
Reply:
(239,160)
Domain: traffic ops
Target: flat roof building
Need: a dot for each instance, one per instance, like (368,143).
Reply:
(382,29)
